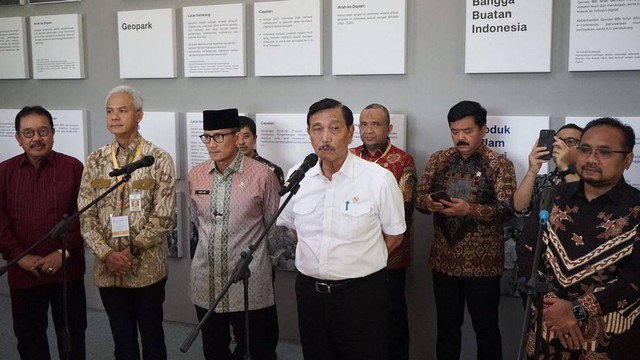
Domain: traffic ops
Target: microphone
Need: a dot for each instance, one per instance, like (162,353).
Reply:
(297,176)
(546,203)
(131,167)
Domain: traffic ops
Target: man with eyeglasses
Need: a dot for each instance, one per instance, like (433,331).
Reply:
(591,254)
(37,188)
(232,199)
(375,127)
(126,230)
(564,156)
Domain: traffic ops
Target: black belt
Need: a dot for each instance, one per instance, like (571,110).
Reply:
(331,286)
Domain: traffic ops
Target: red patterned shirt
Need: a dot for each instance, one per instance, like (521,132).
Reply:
(403,168)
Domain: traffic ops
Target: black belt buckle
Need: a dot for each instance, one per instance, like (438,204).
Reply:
(323,288)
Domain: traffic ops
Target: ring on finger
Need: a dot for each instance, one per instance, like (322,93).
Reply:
(566,336)
(50,269)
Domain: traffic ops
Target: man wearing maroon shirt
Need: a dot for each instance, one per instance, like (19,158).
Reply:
(375,128)
(37,188)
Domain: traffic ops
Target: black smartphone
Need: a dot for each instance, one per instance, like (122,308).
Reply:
(440,195)
(546,139)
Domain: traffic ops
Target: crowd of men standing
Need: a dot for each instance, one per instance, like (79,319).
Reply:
(351,217)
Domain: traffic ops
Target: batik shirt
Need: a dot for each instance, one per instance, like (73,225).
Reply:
(592,254)
(403,168)
(470,245)
(275,168)
(230,211)
(148,222)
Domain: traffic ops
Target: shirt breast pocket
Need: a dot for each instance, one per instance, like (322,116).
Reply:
(304,214)
(355,220)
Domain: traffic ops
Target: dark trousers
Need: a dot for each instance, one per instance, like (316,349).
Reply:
(398,322)
(29,308)
(133,309)
(350,323)
(482,296)
(216,337)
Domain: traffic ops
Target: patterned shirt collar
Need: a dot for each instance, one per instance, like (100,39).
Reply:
(364,153)
(235,166)
(614,194)
(51,158)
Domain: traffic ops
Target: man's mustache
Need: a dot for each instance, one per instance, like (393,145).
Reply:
(461,143)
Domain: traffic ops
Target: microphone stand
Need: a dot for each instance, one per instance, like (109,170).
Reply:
(60,231)
(536,288)
(240,272)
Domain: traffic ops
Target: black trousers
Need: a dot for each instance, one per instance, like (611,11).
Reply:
(133,309)
(349,323)
(216,337)
(30,307)
(398,322)
(482,297)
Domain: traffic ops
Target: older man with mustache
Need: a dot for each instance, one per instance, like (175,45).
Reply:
(467,256)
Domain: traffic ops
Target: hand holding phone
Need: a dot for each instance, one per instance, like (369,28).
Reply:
(546,139)
(440,195)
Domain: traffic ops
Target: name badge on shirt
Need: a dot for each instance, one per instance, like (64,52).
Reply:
(202,192)
(135,202)
(119,226)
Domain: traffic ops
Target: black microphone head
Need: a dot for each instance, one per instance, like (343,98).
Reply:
(546,198)
(311,160)
(147,161)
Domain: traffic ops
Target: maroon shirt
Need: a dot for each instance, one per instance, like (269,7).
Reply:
(32,201)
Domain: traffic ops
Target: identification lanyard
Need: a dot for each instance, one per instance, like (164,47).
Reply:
(114,159)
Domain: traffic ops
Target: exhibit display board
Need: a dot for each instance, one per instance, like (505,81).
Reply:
(70,133)
(508,36)
(214,40)
(514,137)
(161,128)
(288,38)
(604,35)
(147,43)
(369,37)
(57,46)
(13,48)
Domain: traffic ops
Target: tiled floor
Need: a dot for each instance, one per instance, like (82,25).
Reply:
(100,345)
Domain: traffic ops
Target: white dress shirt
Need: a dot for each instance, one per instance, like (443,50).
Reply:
(340,222)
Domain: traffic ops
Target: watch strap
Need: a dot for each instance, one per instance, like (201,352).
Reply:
(564,173)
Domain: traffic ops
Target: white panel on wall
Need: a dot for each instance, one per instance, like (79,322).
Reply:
(147,43)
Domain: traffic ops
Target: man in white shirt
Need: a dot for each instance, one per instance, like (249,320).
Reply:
(348,214)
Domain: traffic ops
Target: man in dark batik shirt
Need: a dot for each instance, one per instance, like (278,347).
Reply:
(467,256)
(591,254)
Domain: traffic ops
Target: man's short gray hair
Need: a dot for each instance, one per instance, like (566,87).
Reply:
(125,89)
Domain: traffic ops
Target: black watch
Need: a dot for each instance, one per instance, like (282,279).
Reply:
(569,171)
(578,311)
(135,251)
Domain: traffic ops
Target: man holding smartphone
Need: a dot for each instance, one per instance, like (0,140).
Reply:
(564,157)
(467,256)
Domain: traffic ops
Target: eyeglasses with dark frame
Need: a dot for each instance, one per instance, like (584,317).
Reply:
(219,138)
(601,153)
(29,133)
(570,141)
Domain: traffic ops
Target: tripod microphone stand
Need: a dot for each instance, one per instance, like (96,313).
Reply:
(60,231)
(240,272)
(537,286)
